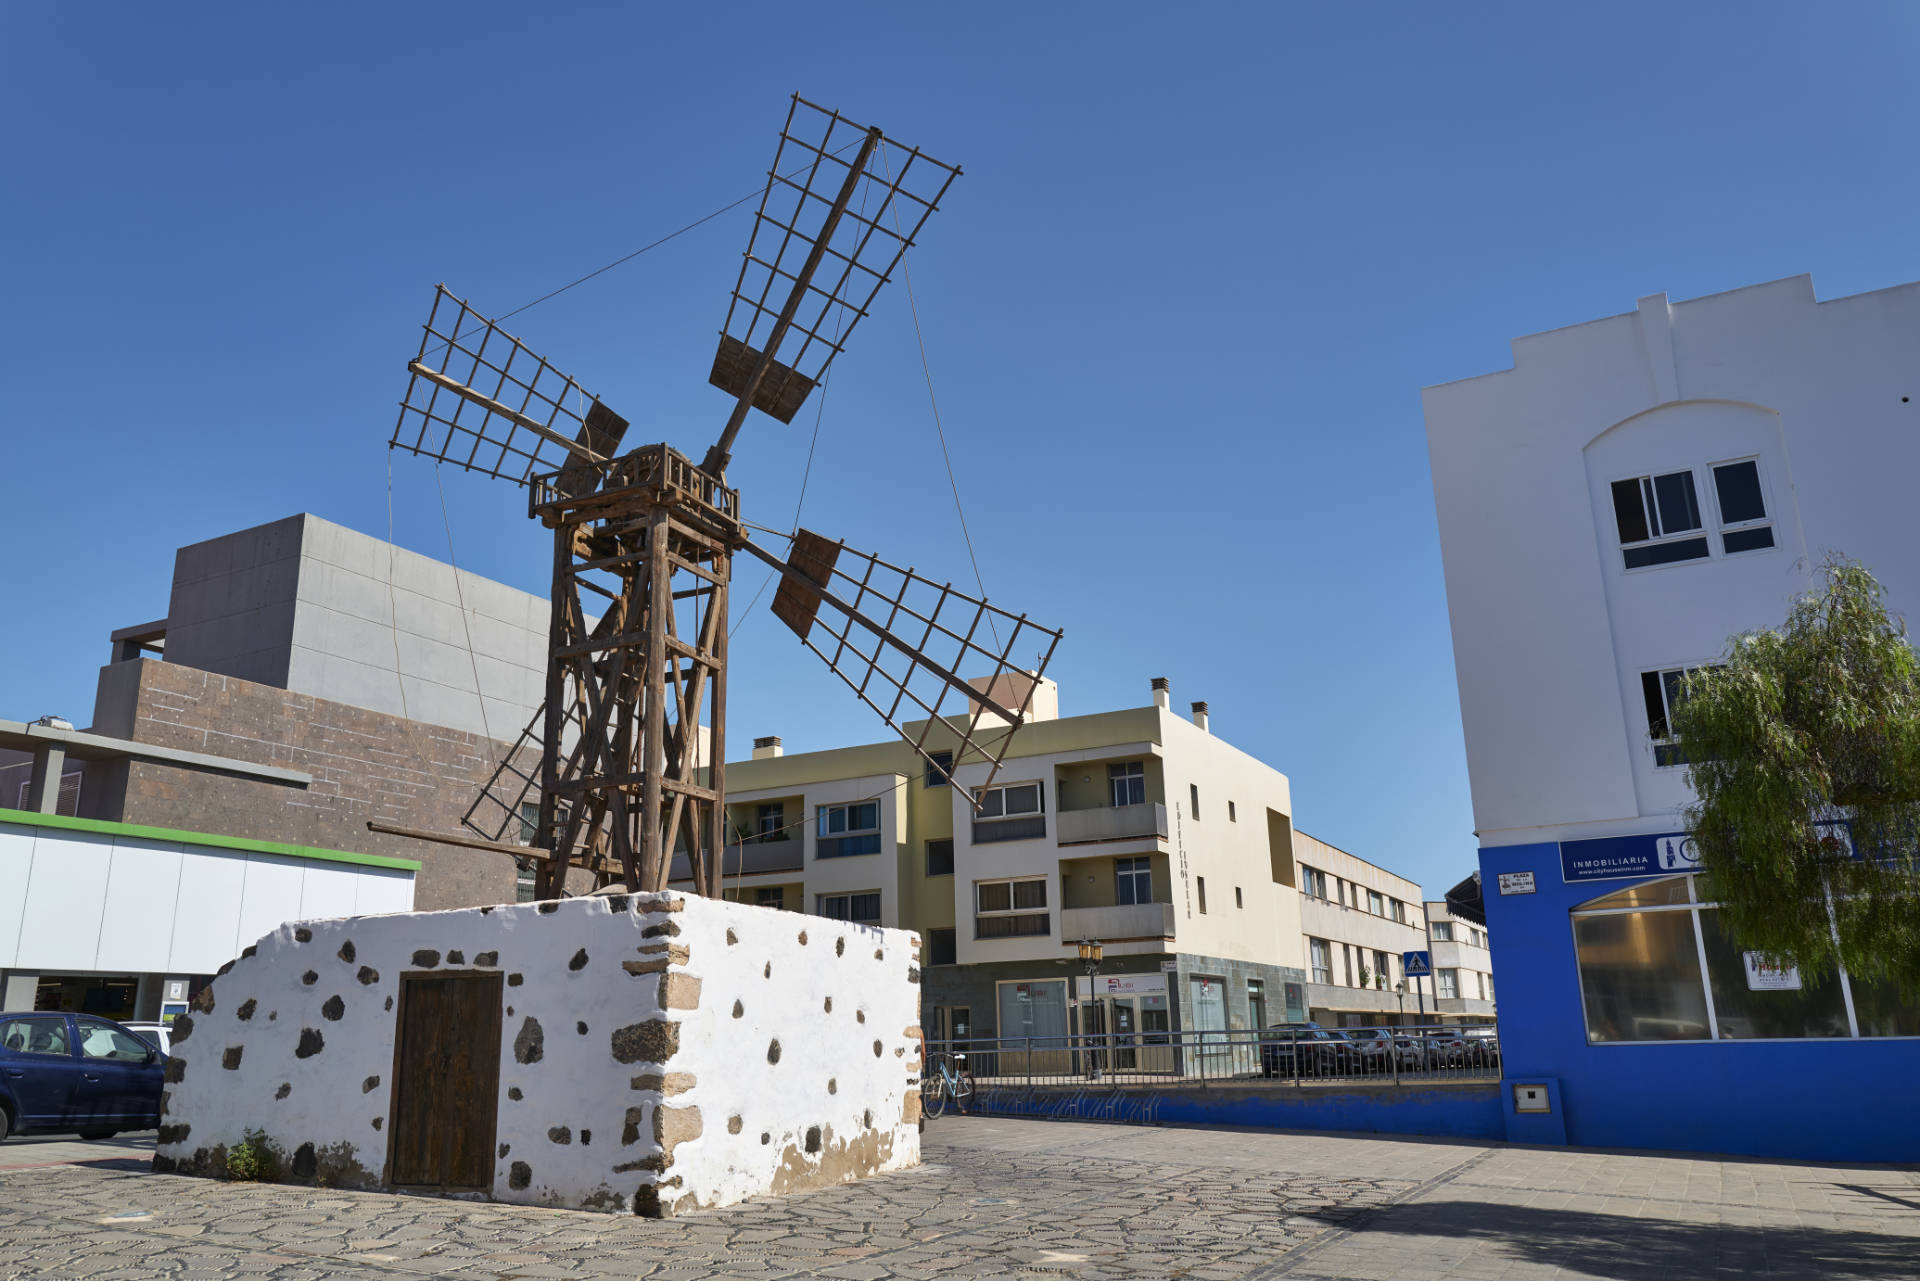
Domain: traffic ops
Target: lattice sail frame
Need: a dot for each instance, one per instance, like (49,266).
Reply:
(896,637)
(810,168)
(481,399)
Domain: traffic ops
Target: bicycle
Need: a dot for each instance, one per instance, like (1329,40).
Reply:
(946,1078)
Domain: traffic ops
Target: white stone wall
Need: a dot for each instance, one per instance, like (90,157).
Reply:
(657,1052)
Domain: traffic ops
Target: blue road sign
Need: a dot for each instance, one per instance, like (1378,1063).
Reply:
(1417,965)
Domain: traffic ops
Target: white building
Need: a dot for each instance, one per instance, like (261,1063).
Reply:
(1461,989)
(1358,920)
(1633,492)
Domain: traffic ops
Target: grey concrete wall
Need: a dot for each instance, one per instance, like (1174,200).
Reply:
(315,608)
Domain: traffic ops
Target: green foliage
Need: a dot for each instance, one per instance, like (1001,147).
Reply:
(1804,732)
(254,1159)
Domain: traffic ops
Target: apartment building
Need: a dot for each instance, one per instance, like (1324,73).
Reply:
(1461,989)
(1139,829)
(1357,922)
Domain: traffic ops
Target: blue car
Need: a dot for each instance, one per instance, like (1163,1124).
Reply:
(75,1072)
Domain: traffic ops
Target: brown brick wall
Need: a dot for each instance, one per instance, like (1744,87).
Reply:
(365,765)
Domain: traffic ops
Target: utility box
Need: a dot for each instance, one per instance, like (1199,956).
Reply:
(647,1052)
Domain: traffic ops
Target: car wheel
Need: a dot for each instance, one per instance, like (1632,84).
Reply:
(6,1123)
(98,1134)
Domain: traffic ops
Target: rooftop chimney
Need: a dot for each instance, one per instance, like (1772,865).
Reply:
(766,748)
(1162,693)
(1200,714)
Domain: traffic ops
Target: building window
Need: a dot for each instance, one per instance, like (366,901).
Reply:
(1662,692)
(1399,911)
(67,799)
(1480,984)
(1321,954)
(1015,812)
(1744,526)
(1132,880)
(939,769)
(942,949)
(1446,983)
(849,829)
(940,857)
(770,896)
(1010,909)
(1127,783)
(1442,931)
(1658,519)
(1313,881)
(523,880)
(1238,901)
(1346,962)
(1382,970)
(529,819)
(1232,815)
(1193,793)
(861,909)
(1200,883)
(770,823)
(1376,902)
(1490,987)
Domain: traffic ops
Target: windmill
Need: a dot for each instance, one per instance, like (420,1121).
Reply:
(648,538)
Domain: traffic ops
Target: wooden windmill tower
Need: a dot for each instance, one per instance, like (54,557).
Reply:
(647,538)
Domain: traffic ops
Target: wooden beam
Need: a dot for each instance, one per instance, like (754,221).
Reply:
(468,842)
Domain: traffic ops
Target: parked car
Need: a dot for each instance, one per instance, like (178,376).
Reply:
(1304,1049)
(158,1035)
(1369,1052)
(75,1072)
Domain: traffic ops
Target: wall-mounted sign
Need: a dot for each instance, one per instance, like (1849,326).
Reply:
(1516,882)
(1615,857)
(1764,976)
(1125,985)
(1169,966)
(176,990)
(1416,965)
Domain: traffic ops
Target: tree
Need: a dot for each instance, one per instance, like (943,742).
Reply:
(1803,737)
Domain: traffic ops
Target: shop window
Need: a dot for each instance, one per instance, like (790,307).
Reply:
(1752,1000)
(1640,976)
(1036,1008)
(1256,1003)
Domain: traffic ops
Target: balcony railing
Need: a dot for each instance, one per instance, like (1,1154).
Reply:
(750,859)
(1023,925)
(1111,823)
(1023,827)
(1121,922)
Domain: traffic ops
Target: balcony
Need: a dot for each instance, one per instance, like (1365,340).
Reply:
(1121,923)
(751,859)
(1022,827)
(1111,823)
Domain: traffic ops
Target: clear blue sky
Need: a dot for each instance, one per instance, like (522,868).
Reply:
(1178,310)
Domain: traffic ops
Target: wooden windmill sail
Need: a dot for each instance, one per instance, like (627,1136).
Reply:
(645,540)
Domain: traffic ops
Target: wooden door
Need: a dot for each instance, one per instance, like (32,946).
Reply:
(446,1080)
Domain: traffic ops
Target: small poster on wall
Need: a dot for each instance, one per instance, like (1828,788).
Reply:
(1765,976)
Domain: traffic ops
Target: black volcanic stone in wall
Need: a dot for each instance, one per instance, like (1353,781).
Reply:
(303,1161)
(519,1175)
(301,934)
(368,976)
(486,958)
(311,1043)
(333,1009)
(456,957)
(579,961)
(426,958)
(530,1045)
(347,952)
(369,1085)
(230,1057)
(246,1009)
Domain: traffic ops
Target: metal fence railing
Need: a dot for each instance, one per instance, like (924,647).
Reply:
(1273,1057)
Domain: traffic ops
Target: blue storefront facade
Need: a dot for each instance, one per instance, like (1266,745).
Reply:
(1647,1028)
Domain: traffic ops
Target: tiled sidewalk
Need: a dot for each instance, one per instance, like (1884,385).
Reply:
(1026,1199)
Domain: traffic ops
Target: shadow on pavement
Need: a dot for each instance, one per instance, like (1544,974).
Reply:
(1622,1248)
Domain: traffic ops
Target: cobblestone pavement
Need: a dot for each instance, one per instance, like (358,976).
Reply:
(1020,1199)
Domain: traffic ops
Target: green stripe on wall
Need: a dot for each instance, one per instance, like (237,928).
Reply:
(27,818)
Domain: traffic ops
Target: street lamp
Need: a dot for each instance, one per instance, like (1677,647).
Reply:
(1091,954)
